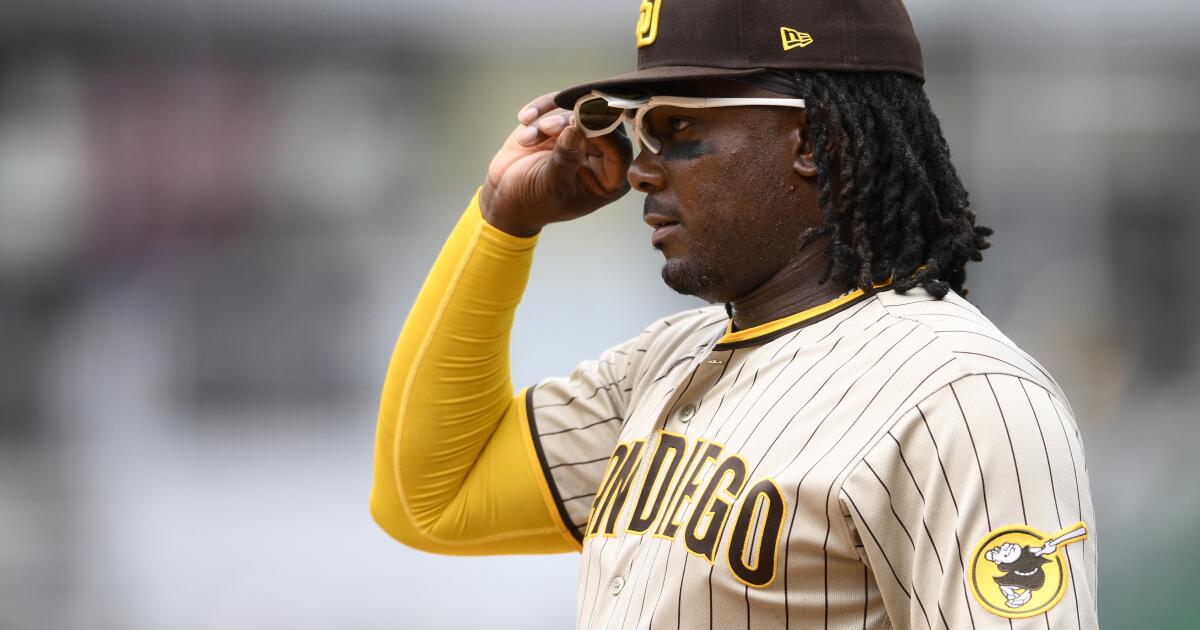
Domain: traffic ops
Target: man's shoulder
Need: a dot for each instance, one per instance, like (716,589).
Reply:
(966,336)
(706,322)
(680,334)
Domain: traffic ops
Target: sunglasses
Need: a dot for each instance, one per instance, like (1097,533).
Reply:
(599,113)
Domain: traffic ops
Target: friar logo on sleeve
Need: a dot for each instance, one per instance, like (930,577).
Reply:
(1018,571)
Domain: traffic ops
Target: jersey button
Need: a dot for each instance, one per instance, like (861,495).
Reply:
(617,585)
(687,412)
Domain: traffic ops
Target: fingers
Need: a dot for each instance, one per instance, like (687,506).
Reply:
(615,153)
(536,108)
(569,151)
(548,126)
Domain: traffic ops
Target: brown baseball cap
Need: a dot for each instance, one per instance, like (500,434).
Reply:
(696,39)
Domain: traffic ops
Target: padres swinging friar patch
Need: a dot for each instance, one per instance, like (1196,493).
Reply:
(1019,572)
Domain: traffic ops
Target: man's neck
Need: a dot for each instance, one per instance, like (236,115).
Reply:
(792,289)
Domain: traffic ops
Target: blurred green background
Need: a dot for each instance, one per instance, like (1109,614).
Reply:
(215,214)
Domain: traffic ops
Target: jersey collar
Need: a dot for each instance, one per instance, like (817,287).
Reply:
(771,330)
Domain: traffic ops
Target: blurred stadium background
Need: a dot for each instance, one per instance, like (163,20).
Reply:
(214,215)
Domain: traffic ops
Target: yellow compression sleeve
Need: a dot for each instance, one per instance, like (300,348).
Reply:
(455,466)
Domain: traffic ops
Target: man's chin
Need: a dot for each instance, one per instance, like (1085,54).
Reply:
(688,280)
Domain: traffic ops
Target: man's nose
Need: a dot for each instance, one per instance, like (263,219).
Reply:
(645,173)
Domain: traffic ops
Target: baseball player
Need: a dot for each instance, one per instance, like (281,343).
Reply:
(838,440)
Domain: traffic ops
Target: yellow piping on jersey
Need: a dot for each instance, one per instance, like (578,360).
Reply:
(754,332)
(762,330)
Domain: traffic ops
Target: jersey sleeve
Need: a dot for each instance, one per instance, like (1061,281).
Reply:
(575,421)
(455,465)
(973,511)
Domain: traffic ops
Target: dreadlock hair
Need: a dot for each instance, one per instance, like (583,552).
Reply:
(891,201)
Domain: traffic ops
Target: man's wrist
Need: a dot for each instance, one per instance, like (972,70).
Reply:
(502,222)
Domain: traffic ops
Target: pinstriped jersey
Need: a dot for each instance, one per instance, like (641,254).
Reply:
(881,461)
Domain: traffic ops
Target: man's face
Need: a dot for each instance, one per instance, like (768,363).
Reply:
(727,176)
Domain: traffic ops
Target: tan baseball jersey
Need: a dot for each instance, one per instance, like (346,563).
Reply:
(880,461)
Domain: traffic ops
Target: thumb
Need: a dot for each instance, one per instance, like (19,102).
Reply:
(568,150)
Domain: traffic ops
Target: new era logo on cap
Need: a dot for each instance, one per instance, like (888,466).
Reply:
(793,38)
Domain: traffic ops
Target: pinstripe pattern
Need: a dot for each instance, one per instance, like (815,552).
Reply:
(860,456)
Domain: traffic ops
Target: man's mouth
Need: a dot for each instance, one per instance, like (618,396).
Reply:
(662,218)
(663,231)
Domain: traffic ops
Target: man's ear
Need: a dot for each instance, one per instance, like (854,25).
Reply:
(803,161)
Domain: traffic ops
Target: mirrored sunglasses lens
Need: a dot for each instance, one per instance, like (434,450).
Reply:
(596,115)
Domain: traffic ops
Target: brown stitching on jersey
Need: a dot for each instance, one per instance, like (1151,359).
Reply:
(870,531)
(724,368)
(712,323)
(932,544)
(792,523)
(865,596)
(892,507)
(871,444)
(746,594)
(815,392)
(679,602)
(1045,449)
(753,382)
(645,588)
(1011,447)
(860,453)
(671,512)
(962,567)
(551,482)
(569,464)
(819,389)
(1016,368)
(1078,499)
(878,546)
(924,523)
(721,400)
(938,452)
(1053,492)
(898,304)
(821,422)
(763,391)
(1007,344)
(662,587)
(987,512)
(594,570)
(710,598)
(983,321)
(973,320)
(580,428)
(672,367)
(574,398)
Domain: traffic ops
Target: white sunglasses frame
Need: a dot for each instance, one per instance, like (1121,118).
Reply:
(644,104)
